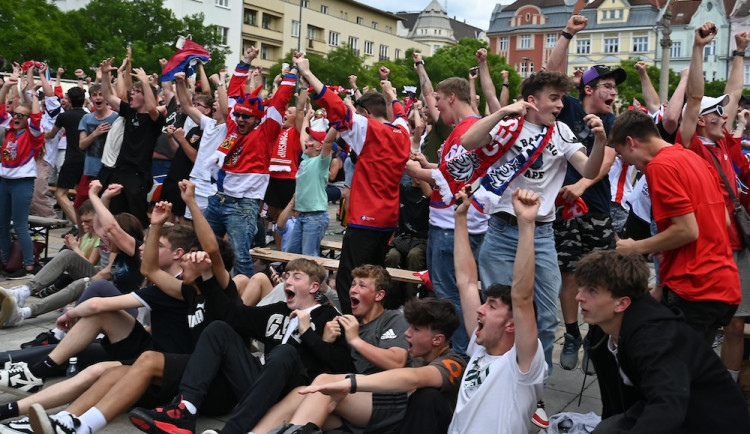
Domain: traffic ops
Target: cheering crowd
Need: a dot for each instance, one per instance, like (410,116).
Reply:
(551,200)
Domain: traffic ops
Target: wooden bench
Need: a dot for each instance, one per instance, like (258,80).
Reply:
(42,225)
(327,263)
(333,248)
(71,191)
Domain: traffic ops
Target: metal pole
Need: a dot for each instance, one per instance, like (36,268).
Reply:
(299,35)
(666,45)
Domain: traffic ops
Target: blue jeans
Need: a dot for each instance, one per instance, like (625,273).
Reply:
(443,276)
(496,258)
(308,232)
(238,219)
(15,203)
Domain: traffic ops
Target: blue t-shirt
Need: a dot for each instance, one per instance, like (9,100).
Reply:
(93,159)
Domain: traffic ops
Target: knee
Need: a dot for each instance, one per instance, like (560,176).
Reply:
(736,327)
(326,378)
(93,372)
(416,254)
(150,362)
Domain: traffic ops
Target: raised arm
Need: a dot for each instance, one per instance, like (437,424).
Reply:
(107,92)
(650,96)
(10,81)
(526,206)
(205,84)
(426,87)
(353,85)
(735,81)
(221,89)
(124,78)
(46,86)
(330,137)
(166,85)
(591,167)
(696,85)
(575,24)
(184,99)
(485,80)
(671,119)
(205,234)
(302,99)
(464,264)
(169,284)
(505,92)
(473,72)
(149,100)
(106,221)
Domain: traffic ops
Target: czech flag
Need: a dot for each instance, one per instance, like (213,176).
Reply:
(184,60)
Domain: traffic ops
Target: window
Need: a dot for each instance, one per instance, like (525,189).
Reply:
(305,3)
(747,75)
(397,53)
(265,52)
(524,41)
(375,25)
(435,48)
(323,9)
(251,17)
(222,3)
(611,45)
(709,50)
(503,43)
(353,43)
(523,70)
(531,68)
(333,39)
(551,40)
(266,24)
(583,46)
(676,50)
(344,15)
(360,20)
(223,34)
(369,46)
(310,32)
(383,52)
(640,44)
(295,29)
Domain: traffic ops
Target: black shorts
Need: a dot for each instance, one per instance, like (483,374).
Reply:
(579,236)
(138,341)
(280,192)
(155,395)
(703,316)
(388,410)
(69,175)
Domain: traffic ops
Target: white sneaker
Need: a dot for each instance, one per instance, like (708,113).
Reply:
(18,380)
(19,426)
(10,313)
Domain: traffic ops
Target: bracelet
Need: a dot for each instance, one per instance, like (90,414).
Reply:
(566,35)
(738,53)
(506,84)
(353,379)
(220,84)
(419,62)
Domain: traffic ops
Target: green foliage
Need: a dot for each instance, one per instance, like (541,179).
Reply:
(35,29)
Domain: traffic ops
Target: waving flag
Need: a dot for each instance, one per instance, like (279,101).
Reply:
(185,59)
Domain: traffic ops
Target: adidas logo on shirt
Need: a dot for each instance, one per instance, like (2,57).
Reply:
(388,335)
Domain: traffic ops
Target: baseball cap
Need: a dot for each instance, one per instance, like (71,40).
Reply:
(602,71)
(709,102)
(317,135)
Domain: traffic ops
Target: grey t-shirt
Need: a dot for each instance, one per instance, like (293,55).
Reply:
(386,331)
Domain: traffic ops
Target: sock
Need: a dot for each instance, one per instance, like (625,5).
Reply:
(9,410)
(59,334)
(190,407)
(572,328)
(26,312)
(25,291)
(735,374)
(93,419)
(44,368)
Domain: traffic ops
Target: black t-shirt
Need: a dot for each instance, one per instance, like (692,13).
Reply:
(138,139)
(169,324)
(598,196)
(126,270)
(69,121)
(413,212)
(181,163)
(198,316)
(173,118)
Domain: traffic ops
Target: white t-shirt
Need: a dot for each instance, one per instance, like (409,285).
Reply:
(639,200)
(212,136)
(545,176)
(615,175)
(495,397)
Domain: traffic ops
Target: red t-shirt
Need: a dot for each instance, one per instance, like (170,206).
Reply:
(680,182)
(727,159)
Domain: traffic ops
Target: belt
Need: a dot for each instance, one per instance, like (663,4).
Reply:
(223,198)
(512,220)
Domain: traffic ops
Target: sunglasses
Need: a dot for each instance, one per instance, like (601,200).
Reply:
(20,115)
(244,116)
(718,109)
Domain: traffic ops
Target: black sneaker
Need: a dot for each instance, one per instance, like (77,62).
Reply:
(42,339)
(19,426)
(173,418)
(46,292)
(62,424)
(21,273)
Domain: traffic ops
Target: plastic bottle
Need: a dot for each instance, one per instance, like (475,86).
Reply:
(72,367)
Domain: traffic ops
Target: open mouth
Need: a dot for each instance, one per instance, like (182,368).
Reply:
(354,302)
(609,102)
(480,326)
(289,295)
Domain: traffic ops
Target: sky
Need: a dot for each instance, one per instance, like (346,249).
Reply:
(475,12)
